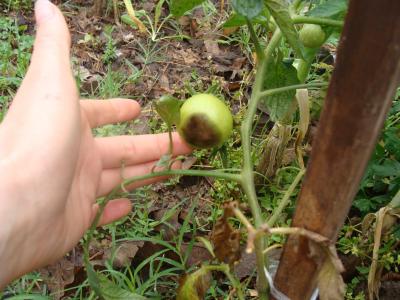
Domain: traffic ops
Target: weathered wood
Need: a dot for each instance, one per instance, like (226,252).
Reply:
(363,83)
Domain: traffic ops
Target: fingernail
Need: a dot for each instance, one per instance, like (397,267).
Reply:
(44,10)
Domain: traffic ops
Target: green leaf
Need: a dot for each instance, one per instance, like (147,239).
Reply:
(387,169)
(168,108)
(164,161)
(180,7)
(280,12)
(111,291)
(237,20)
(248,8)
(279,74)
(93,278)
(330,9)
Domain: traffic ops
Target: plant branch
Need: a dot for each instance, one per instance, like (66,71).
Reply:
(285,200)
(318,21)
(253,35)
(248,177)
(225,269)
(291,87)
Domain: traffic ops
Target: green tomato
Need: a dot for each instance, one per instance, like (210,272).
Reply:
(205,121)
(312,36)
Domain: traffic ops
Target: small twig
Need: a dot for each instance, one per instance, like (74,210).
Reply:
(285,200)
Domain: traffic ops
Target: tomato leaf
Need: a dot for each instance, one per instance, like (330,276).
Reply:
(248,8)
(335,9)
(239,20)
(168,108)
(194,286)
(179,7)
(279,74)
(280,12)
(226,239)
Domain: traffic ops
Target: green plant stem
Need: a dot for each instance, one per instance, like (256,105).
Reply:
(273,43)
(259,51)
(226,269)
(291,87)
(285,200)
(248,178)
(319,21)
(304,69)
(118,189)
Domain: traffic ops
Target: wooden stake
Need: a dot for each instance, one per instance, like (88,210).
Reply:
(361,91)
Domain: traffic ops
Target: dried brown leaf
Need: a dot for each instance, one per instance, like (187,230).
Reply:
(212,47)
(58,276)
(330,282)
(226,239)
(123,254)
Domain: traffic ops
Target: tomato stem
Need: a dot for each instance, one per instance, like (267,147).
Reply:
(318,21)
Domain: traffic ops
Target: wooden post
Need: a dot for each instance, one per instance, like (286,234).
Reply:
(366,76)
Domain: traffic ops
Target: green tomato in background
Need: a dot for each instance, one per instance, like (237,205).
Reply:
(205,121)
(312,36)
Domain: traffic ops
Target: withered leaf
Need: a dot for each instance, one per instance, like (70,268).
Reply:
(194,286)
(226,239)
(330,282)
(123,254)
(58,276)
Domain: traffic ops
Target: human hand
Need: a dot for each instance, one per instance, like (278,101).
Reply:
(51,167)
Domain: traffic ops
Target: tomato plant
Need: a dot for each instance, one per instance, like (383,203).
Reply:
(279,89)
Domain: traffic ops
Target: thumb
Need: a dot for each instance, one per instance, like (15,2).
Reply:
(52,43)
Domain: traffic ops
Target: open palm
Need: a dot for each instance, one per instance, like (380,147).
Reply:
(52,168)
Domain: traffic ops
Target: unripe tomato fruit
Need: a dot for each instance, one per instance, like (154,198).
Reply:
(312,36)
(205,121)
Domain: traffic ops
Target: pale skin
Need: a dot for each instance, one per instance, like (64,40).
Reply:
(52,169)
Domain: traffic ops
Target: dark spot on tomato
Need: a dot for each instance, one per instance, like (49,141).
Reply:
(199,132)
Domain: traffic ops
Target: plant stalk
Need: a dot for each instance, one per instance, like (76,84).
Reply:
(285,200)
(248,177)
(291,87)
(319,21)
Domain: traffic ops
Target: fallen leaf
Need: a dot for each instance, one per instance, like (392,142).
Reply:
(212,47)
(58,276)
(123,254)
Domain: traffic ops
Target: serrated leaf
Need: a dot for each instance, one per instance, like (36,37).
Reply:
(238,20)
(278,75)
(280,12)
(248,8)
(168,108)
(330,9)
(180,7)
(111,291)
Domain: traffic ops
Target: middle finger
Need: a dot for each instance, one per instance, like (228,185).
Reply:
(139,149)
